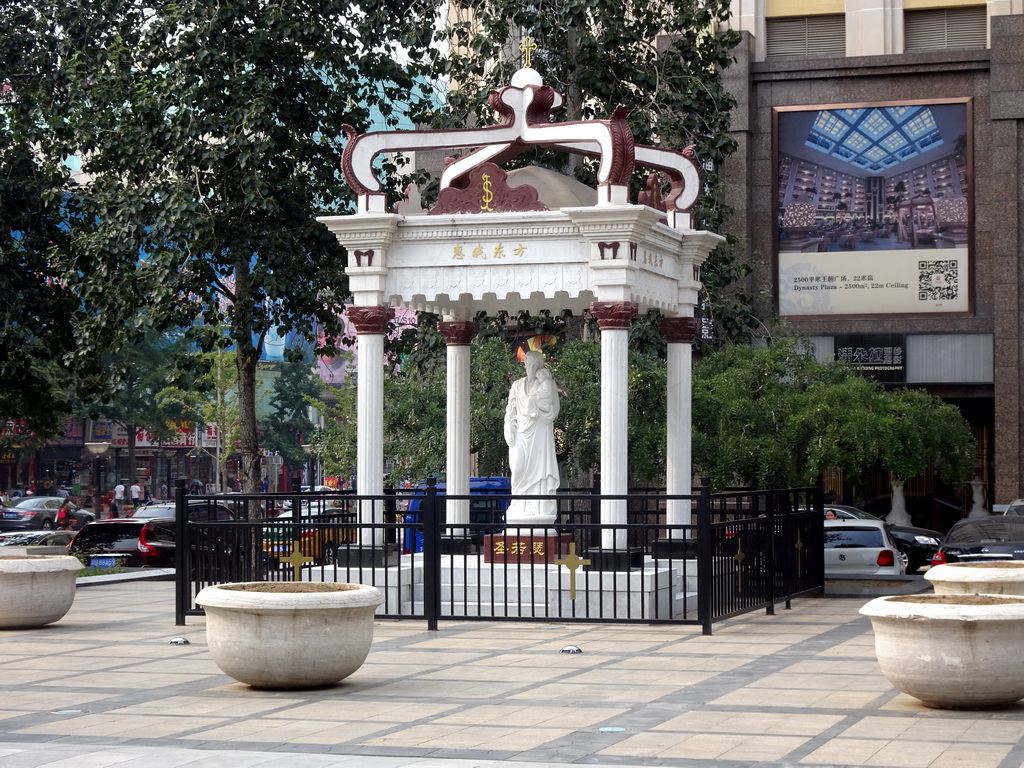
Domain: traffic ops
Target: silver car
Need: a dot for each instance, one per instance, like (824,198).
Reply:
(860,548)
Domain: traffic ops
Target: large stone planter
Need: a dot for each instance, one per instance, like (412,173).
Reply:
(951,651)
(289,634)
(36,589)
(1003,577)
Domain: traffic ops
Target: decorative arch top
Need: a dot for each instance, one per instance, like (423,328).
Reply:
(525,109)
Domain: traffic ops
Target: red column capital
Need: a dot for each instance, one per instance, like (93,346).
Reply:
(458,333)
(612,315)
(371,320)
(678,330)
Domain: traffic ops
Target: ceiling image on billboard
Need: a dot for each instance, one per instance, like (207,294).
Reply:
(875,138)
(873,178)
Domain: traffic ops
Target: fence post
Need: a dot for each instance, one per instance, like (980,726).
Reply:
(430,518)
(769,485)
(390,515)
(182,561)
(705,572)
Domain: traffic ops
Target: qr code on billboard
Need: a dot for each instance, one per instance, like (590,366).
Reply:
(938,280)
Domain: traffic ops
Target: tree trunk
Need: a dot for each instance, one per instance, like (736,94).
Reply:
(246,356)
(573,101)
(249,471)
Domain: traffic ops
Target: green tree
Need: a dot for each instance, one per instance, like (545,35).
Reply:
(777,410)
(415,422)
(335,438)
(37,307)
(288,425)
(493,368)
(210,397)
(146,368)
(213,134)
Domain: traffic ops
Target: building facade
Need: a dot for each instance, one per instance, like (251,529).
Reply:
(879,187)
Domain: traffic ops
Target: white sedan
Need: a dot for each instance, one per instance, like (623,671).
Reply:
(860,548)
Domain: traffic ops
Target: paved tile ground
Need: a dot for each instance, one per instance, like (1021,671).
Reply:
(103,687)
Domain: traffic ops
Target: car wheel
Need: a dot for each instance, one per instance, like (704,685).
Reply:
(905,559)
(47,525)
(329,555)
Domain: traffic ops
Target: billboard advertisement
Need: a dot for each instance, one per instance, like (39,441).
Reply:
(873,208)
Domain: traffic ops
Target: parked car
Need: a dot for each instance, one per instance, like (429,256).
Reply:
(39,513)
(1014,508)
(199,511)
(36,538)
(999,537)
(151,542)
(860,548)
(145,542)
(318,534)
(916,545)
(314,498)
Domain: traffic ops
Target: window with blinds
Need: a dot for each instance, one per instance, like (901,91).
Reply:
(940,28)
(806,36)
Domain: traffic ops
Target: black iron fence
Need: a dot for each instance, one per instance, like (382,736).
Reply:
(438,557)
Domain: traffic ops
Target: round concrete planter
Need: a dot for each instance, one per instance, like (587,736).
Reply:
(1004,577)
(289,634)
(36,589)
(951,651)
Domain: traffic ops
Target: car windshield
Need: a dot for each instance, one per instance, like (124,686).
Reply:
(860,514)
(845,538)
(849,513)
(987,529)
(27,501)
(153,510)
(107,535)
(197,513)
(20,539)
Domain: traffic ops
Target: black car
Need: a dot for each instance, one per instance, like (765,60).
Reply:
(984,539)
(916,545)
(39,513)
(199,511)
(150,542)
(146,543)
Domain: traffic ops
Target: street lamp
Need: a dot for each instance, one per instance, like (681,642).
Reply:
(97,449)
(310,450)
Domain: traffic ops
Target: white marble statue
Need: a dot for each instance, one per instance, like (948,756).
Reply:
(898,515)
(529,431)
(977,499)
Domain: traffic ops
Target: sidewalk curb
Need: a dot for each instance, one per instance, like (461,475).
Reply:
(147,574)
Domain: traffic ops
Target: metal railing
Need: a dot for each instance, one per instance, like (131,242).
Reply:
(744,550)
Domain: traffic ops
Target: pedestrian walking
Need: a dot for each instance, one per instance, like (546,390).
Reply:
(118,501)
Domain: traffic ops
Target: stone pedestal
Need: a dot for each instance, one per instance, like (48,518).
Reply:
(625,559)
(369,557)
(459,545)
(525,550)
(674,549)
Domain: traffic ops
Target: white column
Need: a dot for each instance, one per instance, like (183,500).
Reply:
(370,324)
(679,333)
(458,335)
(614,319)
